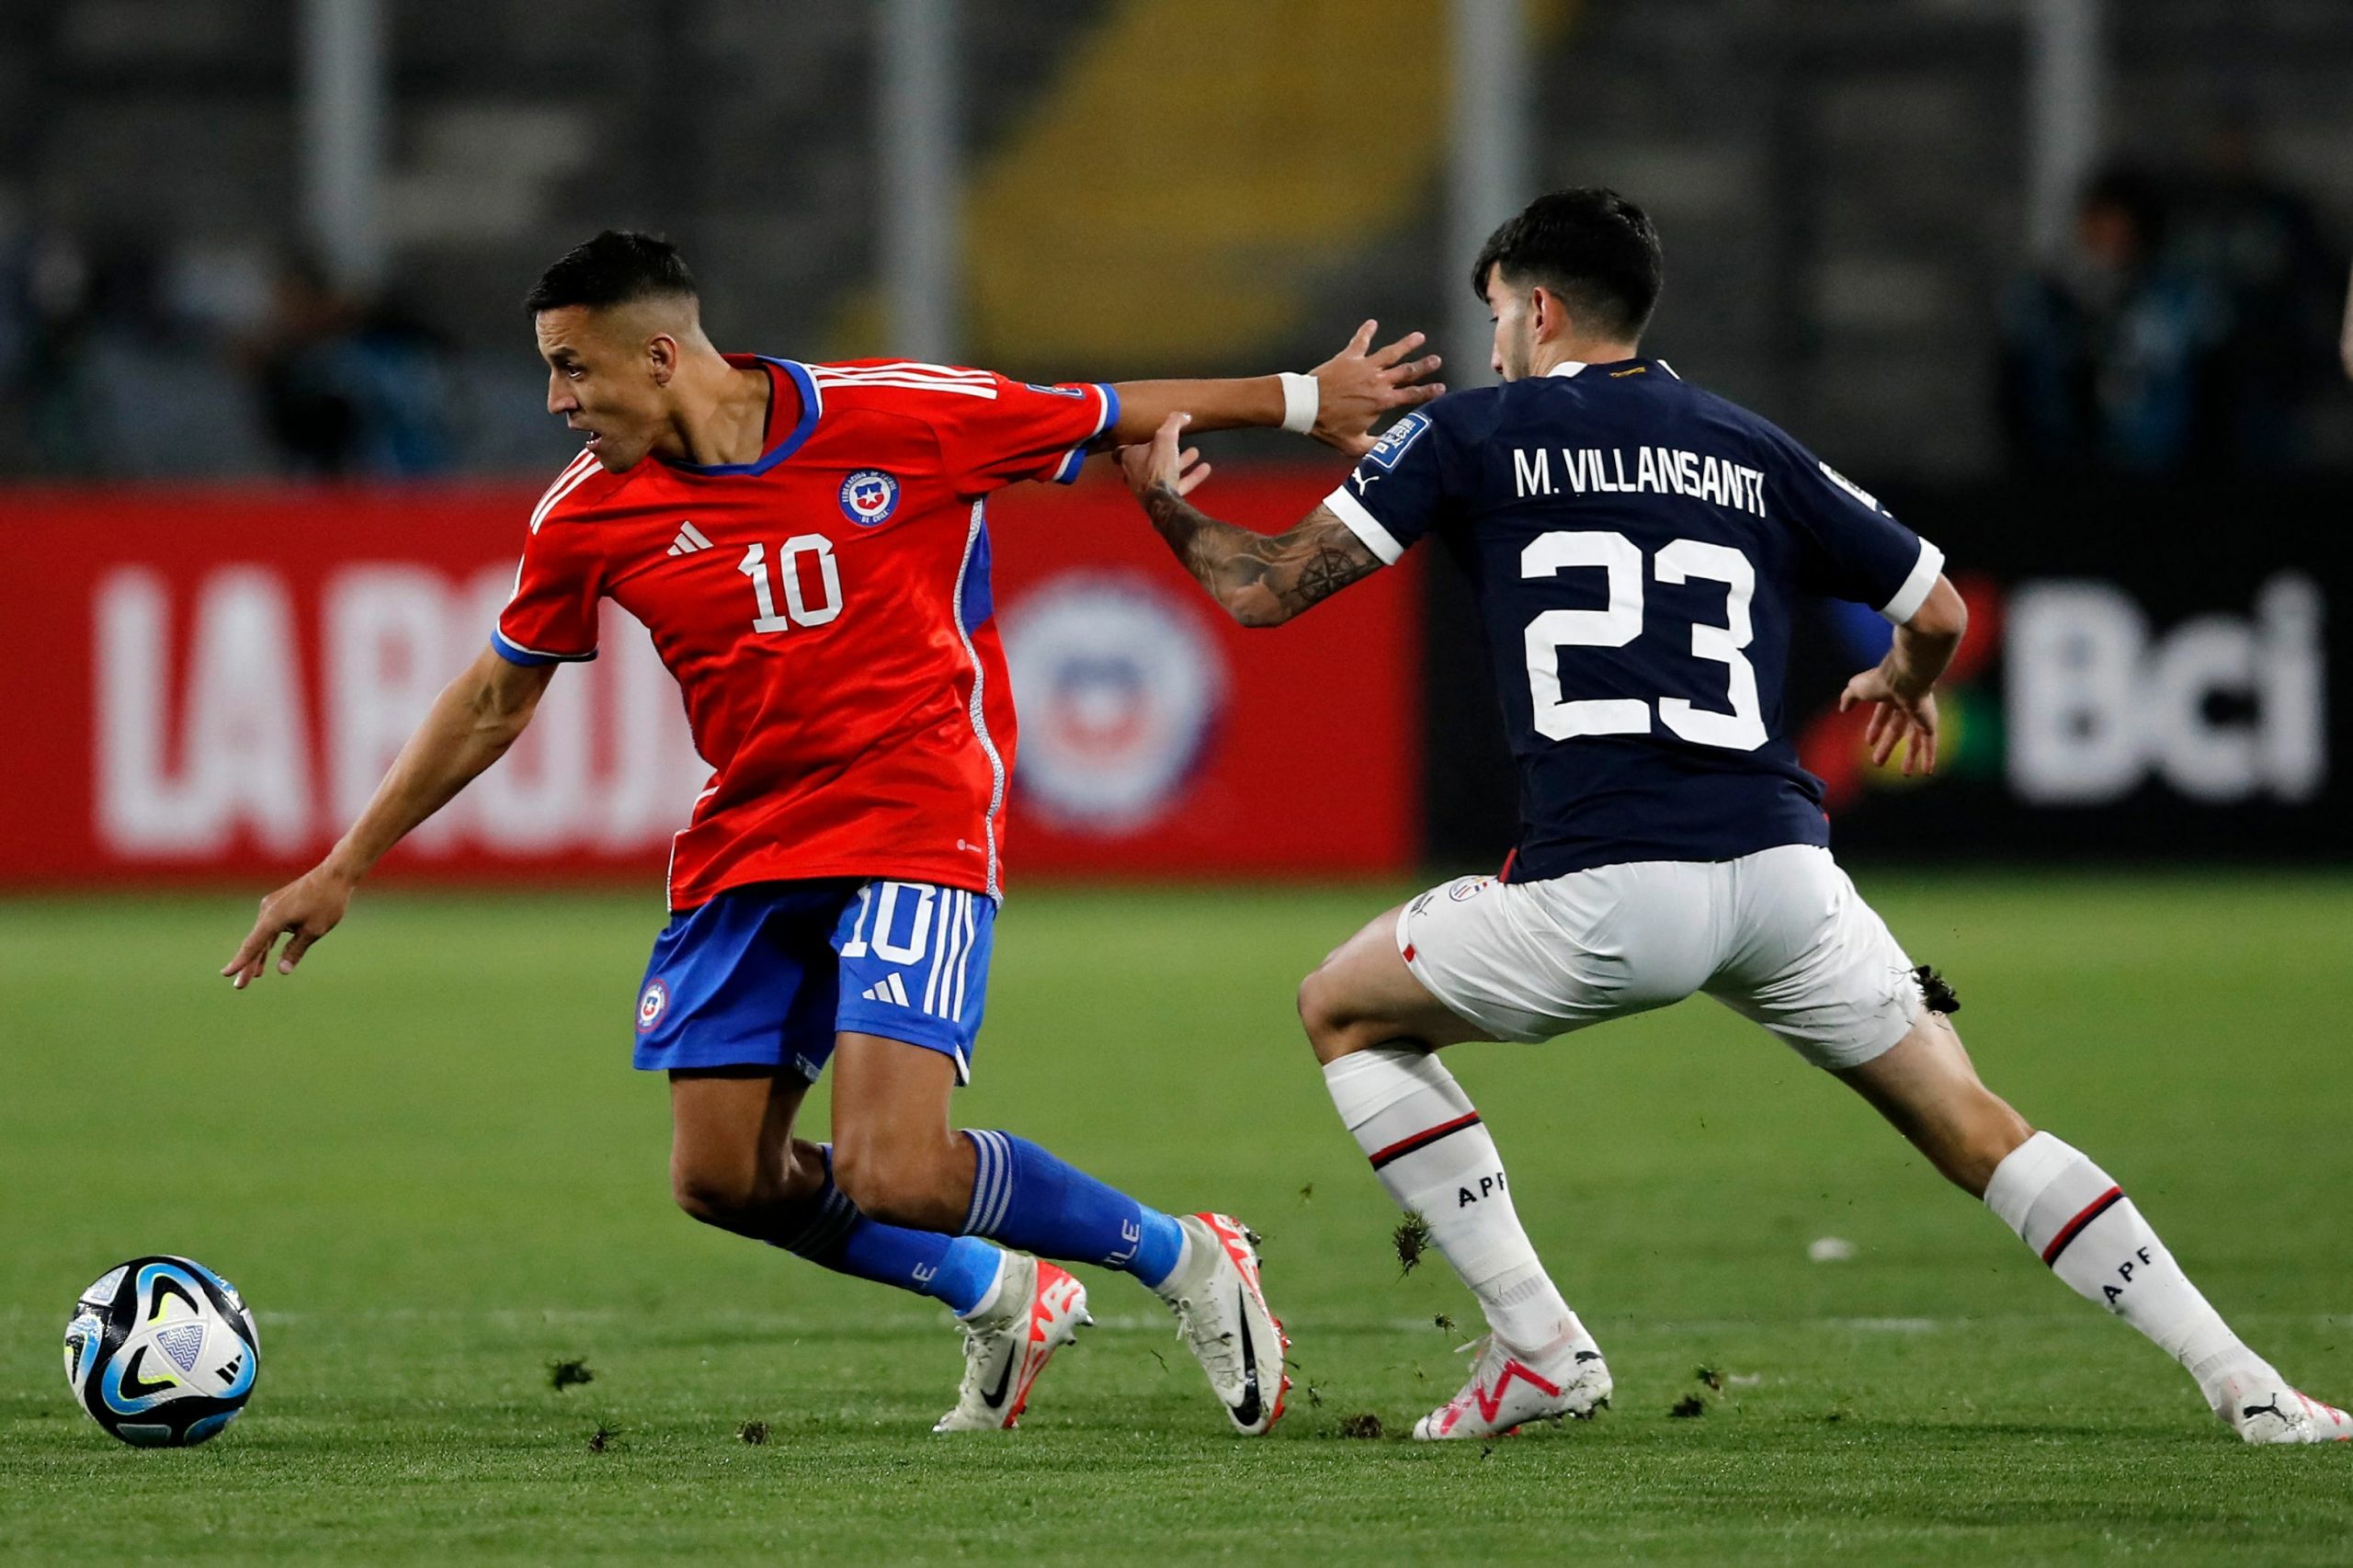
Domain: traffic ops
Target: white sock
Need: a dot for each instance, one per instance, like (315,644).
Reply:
(2079,1222)
(1434,1155)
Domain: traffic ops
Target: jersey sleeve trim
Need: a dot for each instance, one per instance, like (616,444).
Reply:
(1066,471)
(1364,525)
(514,653)
(1915,591)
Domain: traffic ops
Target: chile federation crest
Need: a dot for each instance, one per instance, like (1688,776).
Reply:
(868,497)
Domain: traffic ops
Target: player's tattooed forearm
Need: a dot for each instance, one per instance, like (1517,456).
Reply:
(1189,531)
(1326,572)
(1260,580)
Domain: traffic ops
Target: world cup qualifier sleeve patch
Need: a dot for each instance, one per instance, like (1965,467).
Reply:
(1395,439)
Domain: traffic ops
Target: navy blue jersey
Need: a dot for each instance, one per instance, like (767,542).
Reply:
(1638,548)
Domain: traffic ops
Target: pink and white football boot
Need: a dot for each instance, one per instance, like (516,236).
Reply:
(2271,1411)
(1039,1309)
(1508,1387)
(1223,1319)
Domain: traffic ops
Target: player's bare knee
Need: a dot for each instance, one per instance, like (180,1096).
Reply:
(1333,1027)
(1314,1011)
(894,1184)
(710,1195)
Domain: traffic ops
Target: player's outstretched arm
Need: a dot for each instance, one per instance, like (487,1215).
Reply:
(471,725)
(1350,392)
(1260,580)
(1902,685)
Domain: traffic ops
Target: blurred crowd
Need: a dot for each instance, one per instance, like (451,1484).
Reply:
(122,358)
(2197,324)
(2192,328)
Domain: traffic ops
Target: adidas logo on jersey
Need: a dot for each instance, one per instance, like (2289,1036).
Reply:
(888,989)
(689,539)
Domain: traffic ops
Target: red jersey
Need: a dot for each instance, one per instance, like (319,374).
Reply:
(827,612)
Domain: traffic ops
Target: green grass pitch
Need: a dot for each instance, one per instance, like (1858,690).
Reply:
(427,1164)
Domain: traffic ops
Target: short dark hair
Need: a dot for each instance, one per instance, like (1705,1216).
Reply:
(617,267)
(1590,245)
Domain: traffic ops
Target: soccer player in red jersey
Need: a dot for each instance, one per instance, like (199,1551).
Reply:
(808,546)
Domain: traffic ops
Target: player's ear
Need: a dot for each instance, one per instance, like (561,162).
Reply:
(661,355)
(1545,318)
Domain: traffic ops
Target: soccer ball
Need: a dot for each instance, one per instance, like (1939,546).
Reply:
(161,1352)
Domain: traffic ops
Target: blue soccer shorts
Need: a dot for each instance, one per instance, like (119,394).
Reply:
(766,975)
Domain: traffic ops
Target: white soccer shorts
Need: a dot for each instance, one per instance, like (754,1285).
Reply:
(1780,937)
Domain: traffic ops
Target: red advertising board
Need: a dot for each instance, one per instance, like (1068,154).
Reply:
(208,685)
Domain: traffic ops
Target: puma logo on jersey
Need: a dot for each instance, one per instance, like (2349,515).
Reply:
(689,539)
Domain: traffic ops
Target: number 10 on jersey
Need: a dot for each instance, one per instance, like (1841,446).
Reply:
(798,610)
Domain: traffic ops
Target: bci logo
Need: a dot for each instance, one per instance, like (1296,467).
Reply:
(2222,708)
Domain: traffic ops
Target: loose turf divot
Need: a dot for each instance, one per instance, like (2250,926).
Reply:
(562,1375)
(1412,1238)
(1936,992)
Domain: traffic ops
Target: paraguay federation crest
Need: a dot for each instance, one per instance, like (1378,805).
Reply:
(869,496)
(1120,689)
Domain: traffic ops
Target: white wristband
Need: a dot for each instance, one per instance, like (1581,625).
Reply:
(1302,401)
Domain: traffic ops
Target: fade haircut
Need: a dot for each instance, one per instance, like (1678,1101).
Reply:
(618,266)
(1591,246)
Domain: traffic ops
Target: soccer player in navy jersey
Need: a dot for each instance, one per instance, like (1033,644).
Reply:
(1639,548)
(808,545)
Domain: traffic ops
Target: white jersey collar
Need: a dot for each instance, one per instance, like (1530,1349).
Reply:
(1566,368)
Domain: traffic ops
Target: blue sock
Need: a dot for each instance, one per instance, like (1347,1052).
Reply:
(1025,1198)
(956,1270)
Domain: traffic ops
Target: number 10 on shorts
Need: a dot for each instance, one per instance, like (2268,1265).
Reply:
(884,908)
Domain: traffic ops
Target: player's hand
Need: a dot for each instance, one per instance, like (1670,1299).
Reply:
(304,910)
(1896,717)
(1360,386)
(1148,465)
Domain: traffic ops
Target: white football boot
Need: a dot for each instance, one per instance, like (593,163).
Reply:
(1222,1316)
(1039,1309)
(1508,1387)
(2268,1411)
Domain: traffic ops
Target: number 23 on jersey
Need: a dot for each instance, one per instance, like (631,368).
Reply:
(1563,718)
